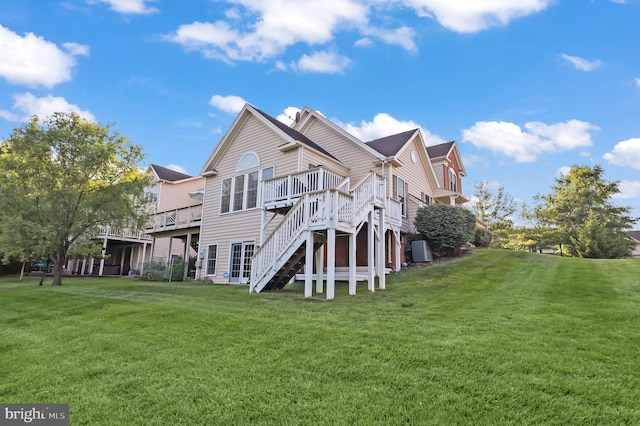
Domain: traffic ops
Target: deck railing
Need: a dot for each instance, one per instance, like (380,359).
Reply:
(285,190)
(123,234)
(185,217)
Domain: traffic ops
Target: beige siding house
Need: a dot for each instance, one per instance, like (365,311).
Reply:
(176,207)
(310,199)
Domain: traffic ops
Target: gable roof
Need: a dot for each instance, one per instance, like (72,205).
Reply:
(390,146)
(308,115)
(634,234)
(295,135)
(163,173)
(290,136)
(441,150)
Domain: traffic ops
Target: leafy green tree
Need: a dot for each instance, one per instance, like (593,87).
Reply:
(587,222)
(496,209)
(447,228)
(61,179)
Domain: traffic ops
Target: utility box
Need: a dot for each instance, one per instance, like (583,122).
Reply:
(421,251)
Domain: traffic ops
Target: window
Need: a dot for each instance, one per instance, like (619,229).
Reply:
(400,193)
(241,192)
(238,192)
(226,196)
(453,181)
(252,190)
(267,173)
(248,161)
(212,257)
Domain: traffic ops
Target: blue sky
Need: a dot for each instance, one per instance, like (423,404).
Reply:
(527,88)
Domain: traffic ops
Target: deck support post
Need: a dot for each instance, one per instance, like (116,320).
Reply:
(370,253)
(104,251)
(380,261)
(308,266)
(352,264)
(320,270)
(331,262)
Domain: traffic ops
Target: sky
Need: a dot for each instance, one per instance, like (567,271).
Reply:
(526,88)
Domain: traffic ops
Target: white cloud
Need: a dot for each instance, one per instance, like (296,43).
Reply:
(580,63)
(29,105)
(467,16)
(637,82)
(76,48)
(230,104)
(625,153)
(257,30)
(33,61)
(323,62)
(564,171)
(177,168)
(133,7)
(402,36)
(8,115)
(628,189)
(525,145)
(383,125)
(277,25)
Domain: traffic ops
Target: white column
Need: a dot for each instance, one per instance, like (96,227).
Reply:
(370,252)
(84,266)
(396,237)
(352,263)
(308,266)
(169,250)
(320,270)
(187,250)
(144,256)
(380,262)
(104,251)
(331,262)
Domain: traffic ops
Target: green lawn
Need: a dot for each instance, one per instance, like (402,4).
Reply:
(494,338)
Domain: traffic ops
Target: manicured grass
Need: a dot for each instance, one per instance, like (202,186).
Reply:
(494,338)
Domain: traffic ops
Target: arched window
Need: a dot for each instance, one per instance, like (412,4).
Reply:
(249,160)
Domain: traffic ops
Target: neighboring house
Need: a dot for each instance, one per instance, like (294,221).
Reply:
(176,205)
(170,197)
(635,235)
(277,195)
(449,170)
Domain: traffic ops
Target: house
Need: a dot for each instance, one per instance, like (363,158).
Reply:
(172,195)
(279,200)
(635,235)
(176,207)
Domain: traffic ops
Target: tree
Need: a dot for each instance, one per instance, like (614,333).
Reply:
(447,228)
(63,178)
(579,207)
(495,209)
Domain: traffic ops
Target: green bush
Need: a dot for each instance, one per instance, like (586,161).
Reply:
(447,228)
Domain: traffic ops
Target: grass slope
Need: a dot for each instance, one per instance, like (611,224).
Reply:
(494,338)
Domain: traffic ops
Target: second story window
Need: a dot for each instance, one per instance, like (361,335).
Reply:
(400,193)
(241,192)
(453,181)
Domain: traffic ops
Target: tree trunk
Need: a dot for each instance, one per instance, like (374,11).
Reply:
(44,272)
(22,271)
(57,270)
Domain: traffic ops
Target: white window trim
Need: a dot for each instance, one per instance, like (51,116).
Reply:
(215,270)
(244,191)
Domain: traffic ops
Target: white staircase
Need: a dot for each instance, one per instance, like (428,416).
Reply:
(283,252)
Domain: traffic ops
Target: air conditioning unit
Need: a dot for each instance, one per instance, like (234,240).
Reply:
(421,251)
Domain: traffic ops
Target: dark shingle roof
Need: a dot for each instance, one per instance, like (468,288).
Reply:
(168,174)
(294,134)
(391,145)
(440,150)
(634,234)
